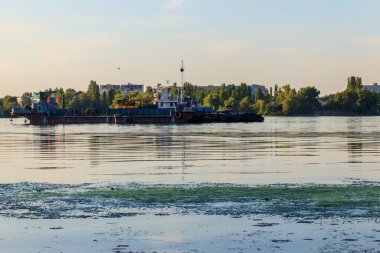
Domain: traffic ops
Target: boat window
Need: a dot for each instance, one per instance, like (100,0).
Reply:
(162,104)
(171,104)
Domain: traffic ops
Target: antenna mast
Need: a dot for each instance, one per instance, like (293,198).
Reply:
(182,72)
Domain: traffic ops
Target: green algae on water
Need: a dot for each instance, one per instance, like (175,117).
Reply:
(293,200)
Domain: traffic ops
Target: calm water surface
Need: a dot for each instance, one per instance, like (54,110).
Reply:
(280,150)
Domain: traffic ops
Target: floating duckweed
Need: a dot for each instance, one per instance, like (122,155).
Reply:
(289,200)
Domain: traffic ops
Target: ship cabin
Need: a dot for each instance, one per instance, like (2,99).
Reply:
(44,102)
(166,101)
(193,105)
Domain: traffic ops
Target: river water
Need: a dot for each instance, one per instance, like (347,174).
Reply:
(111,188)
(325,150)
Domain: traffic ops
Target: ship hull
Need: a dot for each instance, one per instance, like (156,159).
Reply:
(174,118)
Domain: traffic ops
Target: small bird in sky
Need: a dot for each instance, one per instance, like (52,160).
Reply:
(118,68)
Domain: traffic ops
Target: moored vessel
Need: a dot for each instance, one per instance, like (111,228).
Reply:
(165,109)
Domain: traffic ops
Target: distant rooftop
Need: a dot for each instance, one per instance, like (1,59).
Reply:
(372,87)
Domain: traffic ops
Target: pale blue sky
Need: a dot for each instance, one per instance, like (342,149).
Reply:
(49,43)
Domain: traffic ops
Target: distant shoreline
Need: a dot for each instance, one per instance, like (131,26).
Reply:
(315,115)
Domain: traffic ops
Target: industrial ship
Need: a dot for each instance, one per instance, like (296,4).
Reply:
(164,109)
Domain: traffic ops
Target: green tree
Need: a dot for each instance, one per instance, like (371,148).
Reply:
(275,91)
(223,96)
(104,101)
(286,97)
(26,99)
(245,104)
(211,100)
(71,96)
(354,83)
(307,100)
(110,96)
(93,94)
(355,99)
(230,102)
(149,90)
(81,102)
(9,102)
(144,96)
(173,92)
(272,108)
(368,102)
(119,96)
(59,94)
(1,108)
(259,95)
(260,106)
(243,91)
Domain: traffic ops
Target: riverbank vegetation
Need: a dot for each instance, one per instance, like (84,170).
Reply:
(355,99)
(285,100)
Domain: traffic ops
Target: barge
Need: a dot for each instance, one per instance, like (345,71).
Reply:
(166,110)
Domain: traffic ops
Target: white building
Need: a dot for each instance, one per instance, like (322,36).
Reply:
(374,87)
(107,87)
(123,88)
(163,89)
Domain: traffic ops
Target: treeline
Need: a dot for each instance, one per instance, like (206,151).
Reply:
(277,101)
(92,98)
(76,100)
(354,99)
(69,99)
(285,100)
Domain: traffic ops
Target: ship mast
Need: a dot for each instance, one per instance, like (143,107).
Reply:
(183,86)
